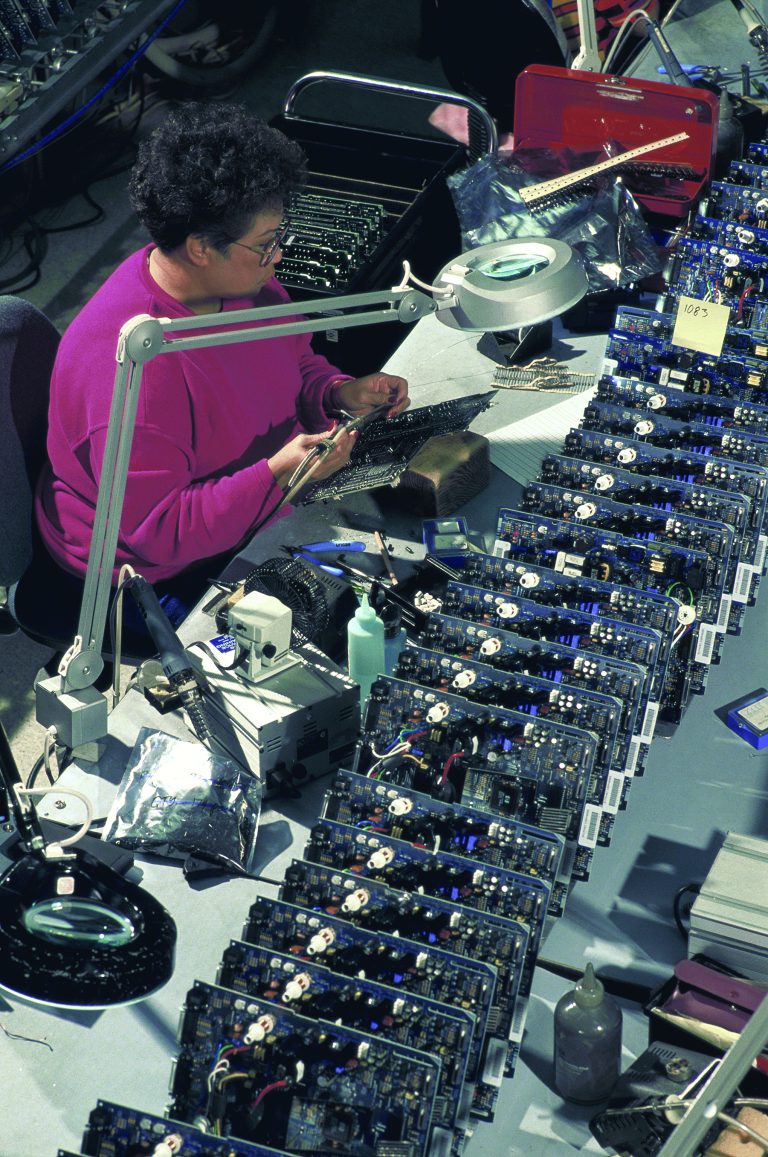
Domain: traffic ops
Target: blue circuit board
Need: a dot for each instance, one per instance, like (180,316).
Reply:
(313,990)
(467,932)
(406,965)
(257,1071)
(117,1131)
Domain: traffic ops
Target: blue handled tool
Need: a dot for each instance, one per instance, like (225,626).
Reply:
(332,544)
(295,552)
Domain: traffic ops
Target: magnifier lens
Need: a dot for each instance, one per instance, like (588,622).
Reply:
(78,921)
(513,266)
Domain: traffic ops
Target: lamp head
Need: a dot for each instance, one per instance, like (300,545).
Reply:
(511,284)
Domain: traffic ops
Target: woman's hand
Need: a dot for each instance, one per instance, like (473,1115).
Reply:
(361,395)
(287,460)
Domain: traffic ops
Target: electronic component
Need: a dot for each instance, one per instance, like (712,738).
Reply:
(594,633)
(659,462)
(286,715)
(542,698)
(393,960)
(473,933)
(529,769)
(727,201)
(701,438)
(730,234)
(671,495)
(116,1131)
(649,524)
(384,449)
(749,719)
(661,566)
(257,1071)
(506,651)
(465,831)
(377,856)
(730,277)
(314,990)
(549,587)
(714,408)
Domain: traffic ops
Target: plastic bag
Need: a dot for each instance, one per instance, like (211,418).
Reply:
(176,799)
(603,225)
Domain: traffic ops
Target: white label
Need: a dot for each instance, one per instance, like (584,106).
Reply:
(742,586)
(705,644)
(614,790)
(649,722)
(590,826)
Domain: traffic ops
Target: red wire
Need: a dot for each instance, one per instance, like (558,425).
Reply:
(447,765)
(268,1089)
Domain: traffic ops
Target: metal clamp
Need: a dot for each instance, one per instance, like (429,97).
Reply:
(478,116)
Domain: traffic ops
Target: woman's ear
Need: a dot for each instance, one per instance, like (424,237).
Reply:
(198,249)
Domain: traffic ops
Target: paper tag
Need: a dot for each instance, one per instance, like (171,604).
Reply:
(700,325)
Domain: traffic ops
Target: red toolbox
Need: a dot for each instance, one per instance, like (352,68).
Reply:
(560,108)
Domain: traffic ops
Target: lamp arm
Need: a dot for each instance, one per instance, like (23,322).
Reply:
(143,338)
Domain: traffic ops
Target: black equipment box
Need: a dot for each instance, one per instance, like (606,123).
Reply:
(373,198)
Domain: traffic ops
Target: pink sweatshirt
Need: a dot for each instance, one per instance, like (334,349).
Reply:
(206,423)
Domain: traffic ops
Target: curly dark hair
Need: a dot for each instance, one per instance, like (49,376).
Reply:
(207,170)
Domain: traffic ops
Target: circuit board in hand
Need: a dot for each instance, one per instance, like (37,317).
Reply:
(523,768)
(406,965)
(466,932)
(311,989)
(116,1131)
(420,819)
(670,495)
(548,587)
(384,448)
(598,634)
(648,524)
(259,1072)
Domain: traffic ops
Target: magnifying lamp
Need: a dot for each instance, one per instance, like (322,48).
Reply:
(505,285)
(73,932)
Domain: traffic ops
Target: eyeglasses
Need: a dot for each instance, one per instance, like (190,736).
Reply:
(266,252)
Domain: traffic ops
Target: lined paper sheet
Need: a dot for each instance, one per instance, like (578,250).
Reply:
(518,449)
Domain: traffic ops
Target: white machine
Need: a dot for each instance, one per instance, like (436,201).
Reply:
(288,716)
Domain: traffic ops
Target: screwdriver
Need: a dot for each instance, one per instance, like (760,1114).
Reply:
(331,544)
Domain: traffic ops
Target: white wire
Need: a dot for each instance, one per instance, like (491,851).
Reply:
(26,791)
(619,38)
(410,278)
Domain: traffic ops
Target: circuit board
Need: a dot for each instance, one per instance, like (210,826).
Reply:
(716,409)
(480,936)
(420,819)
(731,234)
(528,769)
(699,437)
(313,990)
(731,277)
(406,965)
(549,587)
(561,664)
(598,634)
(726,201)
(640,342)
(116,1131)
(378,856)
(658,462)
(384,448)
(257,1071)
(668,495)
(541,698)
(659,566)
(648,524)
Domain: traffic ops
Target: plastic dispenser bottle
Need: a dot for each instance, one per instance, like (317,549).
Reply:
(587,1042)
(365,648)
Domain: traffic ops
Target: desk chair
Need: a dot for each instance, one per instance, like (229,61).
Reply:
(42,600)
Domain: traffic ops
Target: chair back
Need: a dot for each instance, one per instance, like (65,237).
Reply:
(28,344)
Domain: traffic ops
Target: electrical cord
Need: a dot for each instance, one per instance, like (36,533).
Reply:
(677,905)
